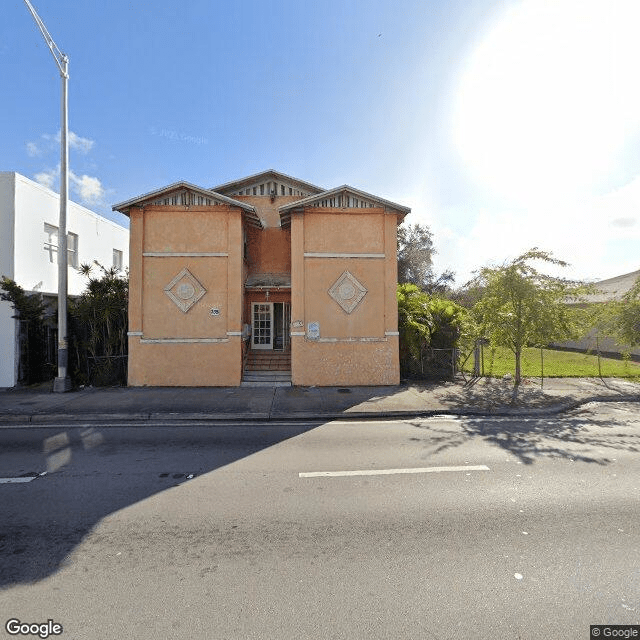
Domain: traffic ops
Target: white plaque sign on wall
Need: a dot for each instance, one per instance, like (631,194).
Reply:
(313,330)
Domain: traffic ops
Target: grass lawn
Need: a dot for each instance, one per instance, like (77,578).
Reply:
(557,364)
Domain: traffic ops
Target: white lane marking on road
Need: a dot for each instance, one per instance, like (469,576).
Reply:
(16,480)
(389,472)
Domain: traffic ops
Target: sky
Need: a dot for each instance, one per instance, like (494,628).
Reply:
(503,124)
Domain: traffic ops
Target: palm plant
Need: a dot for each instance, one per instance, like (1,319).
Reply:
(99,319)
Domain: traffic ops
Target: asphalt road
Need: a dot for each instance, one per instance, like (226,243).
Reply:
(503,528)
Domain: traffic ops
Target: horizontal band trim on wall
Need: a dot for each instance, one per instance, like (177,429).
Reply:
(345,255)
(391,333)
(181,340)
(134,333)
(189,254)
(234,333)
(347,340)
(298,333)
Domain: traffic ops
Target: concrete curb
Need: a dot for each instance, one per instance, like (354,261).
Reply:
(75,417)
(37,420)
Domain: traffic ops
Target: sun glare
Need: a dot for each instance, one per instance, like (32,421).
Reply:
(549,97)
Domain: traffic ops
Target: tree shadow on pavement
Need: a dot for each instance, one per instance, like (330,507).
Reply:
(571,437)
(94,472)
(490,394)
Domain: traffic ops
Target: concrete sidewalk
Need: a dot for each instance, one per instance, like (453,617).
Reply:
(484,396)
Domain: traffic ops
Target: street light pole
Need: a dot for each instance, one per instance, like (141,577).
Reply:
(62,382)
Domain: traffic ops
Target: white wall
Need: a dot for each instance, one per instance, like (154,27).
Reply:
(97,237)
(7,199)
(8,364)
(7,323)
(593,342)
(25,206)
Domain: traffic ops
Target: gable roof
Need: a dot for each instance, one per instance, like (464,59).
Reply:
(340,198)
(299,187)
(185,193)
(612,288)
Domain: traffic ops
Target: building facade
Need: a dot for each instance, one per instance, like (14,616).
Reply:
(29,216)
(609,290)
(267,278)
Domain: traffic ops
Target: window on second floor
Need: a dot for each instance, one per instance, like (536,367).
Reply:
(51,242)
(117,259)
(72,250)
(51,245)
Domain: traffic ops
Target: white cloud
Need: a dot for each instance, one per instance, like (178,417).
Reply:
(599,236)
(89,188)
(543,120)
(83,145)
(624,222)
(33,149)
(47,178)
(546,103)
(620,209)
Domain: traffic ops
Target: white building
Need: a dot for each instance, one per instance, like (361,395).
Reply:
(29,216)
(610,290)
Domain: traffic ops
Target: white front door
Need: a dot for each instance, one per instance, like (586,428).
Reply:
(262,325)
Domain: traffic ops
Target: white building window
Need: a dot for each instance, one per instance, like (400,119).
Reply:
(51,245)
(51,241)
(117,259)
(72,250)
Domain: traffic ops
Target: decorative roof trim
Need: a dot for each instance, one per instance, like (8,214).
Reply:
(123,207)
(269,172)
(287,209)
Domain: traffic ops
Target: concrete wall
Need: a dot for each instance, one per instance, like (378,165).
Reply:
(268,249)
(593,343)
(25,207)
(357,346)
(97,237)
(8,325)
(169,346)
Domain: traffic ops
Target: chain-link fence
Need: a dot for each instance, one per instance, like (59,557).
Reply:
(433,364)
(36,352)
(547,362)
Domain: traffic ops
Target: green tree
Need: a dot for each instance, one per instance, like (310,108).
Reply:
(621,319)
(425,320)
(522,306)
(415,260)
(31,312)
(414,320)
(629,316)
(99,327)
(467,295)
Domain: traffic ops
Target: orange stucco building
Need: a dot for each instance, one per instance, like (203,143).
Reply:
(263,280)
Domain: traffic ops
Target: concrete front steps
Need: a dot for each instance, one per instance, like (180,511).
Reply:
(267,369)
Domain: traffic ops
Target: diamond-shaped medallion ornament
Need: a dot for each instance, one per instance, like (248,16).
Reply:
(185,290)
(347,292)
